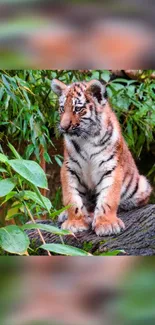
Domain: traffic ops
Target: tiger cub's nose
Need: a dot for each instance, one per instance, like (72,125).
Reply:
(65,122)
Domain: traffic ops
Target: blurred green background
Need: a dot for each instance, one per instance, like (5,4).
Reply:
(57,34)
(40,291)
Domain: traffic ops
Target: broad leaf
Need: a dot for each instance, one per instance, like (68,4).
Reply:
(14,240)
(9,196)
(3,170)
(105,75)
(36,190)
(30,170)
(6,186)
(29,195)
(3,158)
(65,250)
(48,228)
(12,212)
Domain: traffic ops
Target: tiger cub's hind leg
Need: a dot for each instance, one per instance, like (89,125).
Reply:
(139,196)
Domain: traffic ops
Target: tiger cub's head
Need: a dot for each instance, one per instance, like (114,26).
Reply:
(79,106)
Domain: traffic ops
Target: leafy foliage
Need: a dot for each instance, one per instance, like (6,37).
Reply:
(29,117)
(24,203)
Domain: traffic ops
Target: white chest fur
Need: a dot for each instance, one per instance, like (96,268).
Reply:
(89,157)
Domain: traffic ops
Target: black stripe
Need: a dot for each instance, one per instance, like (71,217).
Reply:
(133,191)
(104,144)
(128,186)
(73,172)
(103,161)
(105,141)
(105,135)
(85,123)
(80,192)
(108,206)
(97,194)
(105,138)
(88,119)
(96,153)
(78,149)
(103,209)
(76,146)
(75,161)
(107,173)
(97,118)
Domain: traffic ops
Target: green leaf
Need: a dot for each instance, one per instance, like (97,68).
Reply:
(30,170)
(48,228)
(56,213)
(36,190)
(7,85)
(3,158)
(47,158)
(105,75)
(29,195)
(6,186)
(1,92)
(14,240)
(65,250)
(112,253)
(9,196)
(58,160)
(14,151)
(3,170)
(29,150)
(11,213)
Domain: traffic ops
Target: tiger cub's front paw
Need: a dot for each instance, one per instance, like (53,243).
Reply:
(75,225)
(104,226)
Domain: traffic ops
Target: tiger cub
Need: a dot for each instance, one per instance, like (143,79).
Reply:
(98,173)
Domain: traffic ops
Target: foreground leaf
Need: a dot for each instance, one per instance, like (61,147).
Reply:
(30,170)
(6,186)
(65,250)
(40,197)
(51,229)
(56,213)
(14,240)
(113,253)
(3,158)
(9,196)
(3,170)
(29,195)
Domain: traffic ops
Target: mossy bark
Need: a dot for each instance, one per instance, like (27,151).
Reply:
(137,239)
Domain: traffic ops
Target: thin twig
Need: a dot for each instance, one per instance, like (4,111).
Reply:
(39,232)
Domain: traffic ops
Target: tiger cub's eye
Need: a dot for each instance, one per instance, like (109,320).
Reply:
(78,108)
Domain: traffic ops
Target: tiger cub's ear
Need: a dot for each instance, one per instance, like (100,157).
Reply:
(58,87)
(96,89)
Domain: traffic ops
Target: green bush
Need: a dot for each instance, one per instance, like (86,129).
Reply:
(29,117)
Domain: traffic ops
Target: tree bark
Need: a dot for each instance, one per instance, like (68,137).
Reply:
(137,239)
